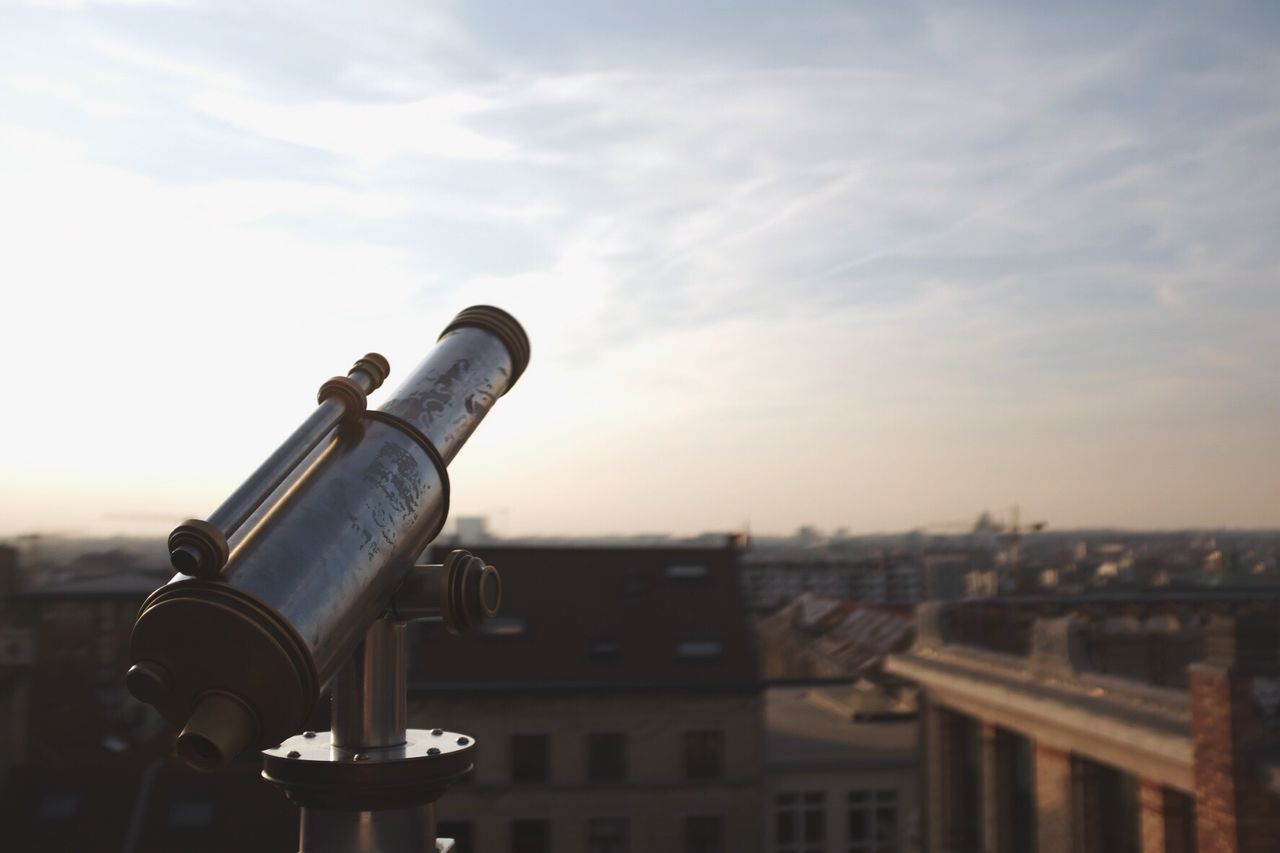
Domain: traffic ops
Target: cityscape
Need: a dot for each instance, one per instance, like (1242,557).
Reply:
(812,692)
(772,426)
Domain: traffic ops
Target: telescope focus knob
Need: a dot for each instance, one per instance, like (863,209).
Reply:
(375,367)
(462,593)
(475,592)
(148,681)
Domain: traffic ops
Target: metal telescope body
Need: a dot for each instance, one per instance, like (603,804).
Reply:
(307,572)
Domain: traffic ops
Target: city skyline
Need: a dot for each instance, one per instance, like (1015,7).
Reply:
(781,264)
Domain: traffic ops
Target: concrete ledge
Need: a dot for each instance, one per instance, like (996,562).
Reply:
(1144,732)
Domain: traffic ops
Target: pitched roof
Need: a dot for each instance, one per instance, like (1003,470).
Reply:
(591,618)
(846,635)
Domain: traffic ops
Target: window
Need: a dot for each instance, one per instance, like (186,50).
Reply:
(530,758)
(1118,810)
(801,822)
(607,835)
(1015,753)
(699,649)
(703,755)
(503,626)
(59,806)
(461,831)
(873,822)
(604,648)
(704,834)
(191,814)
(606,756)
(530,836)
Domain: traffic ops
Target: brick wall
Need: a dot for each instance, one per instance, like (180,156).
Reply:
(1214,760)
(1234,813)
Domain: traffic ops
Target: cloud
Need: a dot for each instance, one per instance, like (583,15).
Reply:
(369,134)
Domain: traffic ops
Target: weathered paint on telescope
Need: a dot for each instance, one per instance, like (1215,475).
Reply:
(450,392)
(328,555)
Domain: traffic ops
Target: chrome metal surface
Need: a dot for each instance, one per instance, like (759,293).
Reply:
(369,691)
(462,592)
(387,831)
(365,377)
(331,550)
(423,595)
(314,773)
(250,494)
(315,752)
(448,395)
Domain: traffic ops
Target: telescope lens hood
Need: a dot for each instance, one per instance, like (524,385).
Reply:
(501,325)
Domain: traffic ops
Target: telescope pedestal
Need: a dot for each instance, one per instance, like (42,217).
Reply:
(369,785)
(388,830)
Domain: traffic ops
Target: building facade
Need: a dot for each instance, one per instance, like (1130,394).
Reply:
(617,702)
(1140,724)
(616,705)
(838,780)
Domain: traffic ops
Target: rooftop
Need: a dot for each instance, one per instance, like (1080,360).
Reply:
(602,618)
(816,725)
(1103,676)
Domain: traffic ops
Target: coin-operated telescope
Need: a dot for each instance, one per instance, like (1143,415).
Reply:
(305,577)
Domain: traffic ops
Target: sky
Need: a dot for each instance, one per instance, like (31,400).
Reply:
(865,265)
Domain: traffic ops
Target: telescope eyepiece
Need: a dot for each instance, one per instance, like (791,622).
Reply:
(148,681)
(221,727)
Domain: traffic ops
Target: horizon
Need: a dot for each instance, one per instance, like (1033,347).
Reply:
(830,535)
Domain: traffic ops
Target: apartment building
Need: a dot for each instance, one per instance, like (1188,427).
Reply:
(616,704)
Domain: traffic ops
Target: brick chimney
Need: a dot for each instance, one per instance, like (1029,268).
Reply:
(1235,718)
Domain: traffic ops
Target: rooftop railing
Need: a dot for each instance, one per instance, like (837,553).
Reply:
(1149,638)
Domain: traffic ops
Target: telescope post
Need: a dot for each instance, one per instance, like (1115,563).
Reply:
(370,784)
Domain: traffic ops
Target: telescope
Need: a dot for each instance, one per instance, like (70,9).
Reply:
(306,576)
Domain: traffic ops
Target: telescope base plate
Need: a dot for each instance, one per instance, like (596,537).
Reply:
(315,774)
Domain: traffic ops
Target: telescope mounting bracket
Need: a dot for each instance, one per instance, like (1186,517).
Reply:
(369,785)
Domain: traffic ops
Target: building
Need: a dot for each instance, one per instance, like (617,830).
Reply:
(771,579)
(617,702)
(841,770)
(944,573)
(83,765)
(823,638)
(1100,724)
(616,705)
(69,643)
